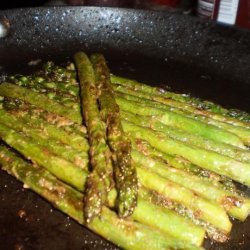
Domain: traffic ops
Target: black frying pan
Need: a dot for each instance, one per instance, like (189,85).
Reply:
(188,54)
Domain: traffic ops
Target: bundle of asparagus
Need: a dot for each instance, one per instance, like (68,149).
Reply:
(143,167)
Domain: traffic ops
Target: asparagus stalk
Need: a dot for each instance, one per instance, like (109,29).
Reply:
(53,165)
(241,132)
(43,85)
(184,106)
(196,102)
(33,117)
(159,200)
(62,169)
(185,123)
(166,220)
(39,142)
(204,210)
(77,177)
(125,129)
(35,126)
(8,119)
(181,163)
(237,206)
(120,145)
(177,163)
(61,74)
(222,148)
(58,127)
(40,100)
(100,179)
(79,158)
(167,117)
(68,139)
(236,170)
(47,84)
(194,105)
(192,139)
(194,234)
(240,129)
(126,234)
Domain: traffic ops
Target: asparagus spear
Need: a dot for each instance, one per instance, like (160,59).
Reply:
(194,234)
(79,158)
(237,206)
(44,85)
(124,85)
(203,209)
(242,132)
(215,148)
(124,233)
(229,174)
(240,129)
(176,162)
(187,124)
(184,106)
(181,163)
(238,171)
(196,102)
(100,179)
(166,220)
(57,127)
(47,84)
(71,175)
(64,170)
(98,150)
(120,145)
(7,119)
(38,99)
(37,85)
(33,118)
(125,147)
(167,117)
(61,74)
(192,139)
(157,199)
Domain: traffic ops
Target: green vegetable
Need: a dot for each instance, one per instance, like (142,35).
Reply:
(206,159)
(100,180)
(120,145)
(125,233)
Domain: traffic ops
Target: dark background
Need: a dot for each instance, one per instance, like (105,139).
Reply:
(183,5)
(18,4)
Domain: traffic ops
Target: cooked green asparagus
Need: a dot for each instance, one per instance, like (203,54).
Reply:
(128,235)
(120,145)
(100,180)
(186,153)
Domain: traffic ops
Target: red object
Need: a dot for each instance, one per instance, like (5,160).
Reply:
(171,3)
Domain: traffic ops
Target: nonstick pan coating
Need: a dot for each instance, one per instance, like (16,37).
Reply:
(161,48)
